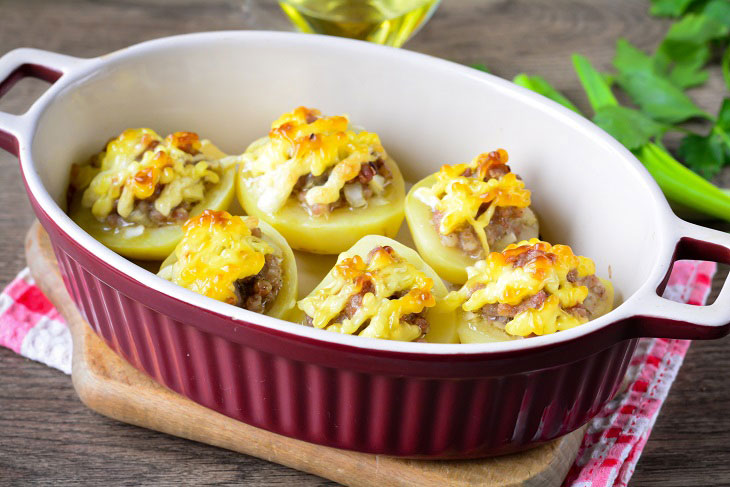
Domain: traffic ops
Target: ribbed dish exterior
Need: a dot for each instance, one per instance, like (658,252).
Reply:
(369,412)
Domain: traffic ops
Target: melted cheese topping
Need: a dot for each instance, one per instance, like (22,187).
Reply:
(521,271)
(298,144)
(388,274)
(135,163)
(216,250)
(551,317)
(459,197)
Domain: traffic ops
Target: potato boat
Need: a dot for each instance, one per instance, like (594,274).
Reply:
(135,195)
(531,288)
(461,213)
(380,288)
(320,183)
(238,260)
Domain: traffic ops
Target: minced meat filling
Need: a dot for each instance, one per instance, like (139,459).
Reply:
(367,172)
(417,319)
(420,321)
(355,301)
(257,293)
(500,314)
(144,211)
(596,292)
(505,220)
(496,171)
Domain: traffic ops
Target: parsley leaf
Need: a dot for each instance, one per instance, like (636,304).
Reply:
(480,67)
(683,72)
(719,10)
(695,29)
(704,155)
(630,127)
(685,50)
(708,154)
(688,72)
(686,47)
(669,8)
(659,98)
(630,58)
(723,116)
(540,85)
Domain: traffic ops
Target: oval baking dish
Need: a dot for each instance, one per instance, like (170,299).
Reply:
(395,398)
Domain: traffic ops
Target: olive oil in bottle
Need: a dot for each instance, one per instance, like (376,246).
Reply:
(390,22)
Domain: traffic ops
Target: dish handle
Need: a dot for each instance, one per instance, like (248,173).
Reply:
(22,63)
(664,318)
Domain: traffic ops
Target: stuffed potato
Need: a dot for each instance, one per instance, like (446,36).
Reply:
(380,289)
(135,195)
(320,183)
(531,288)
(237,260)
(461,213)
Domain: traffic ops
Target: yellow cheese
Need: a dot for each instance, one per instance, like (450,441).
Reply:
(299,144)
(459,197)
(216,250)
(384,273)
(521,271)
(135,163)
(548,319)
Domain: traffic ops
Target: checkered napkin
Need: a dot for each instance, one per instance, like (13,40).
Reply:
(33,328)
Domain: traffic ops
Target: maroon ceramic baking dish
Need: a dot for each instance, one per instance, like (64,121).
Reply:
(394,398)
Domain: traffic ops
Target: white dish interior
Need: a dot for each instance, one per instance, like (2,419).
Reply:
(588,191)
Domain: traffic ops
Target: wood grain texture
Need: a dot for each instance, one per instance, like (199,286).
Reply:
(48,437)
(109,385)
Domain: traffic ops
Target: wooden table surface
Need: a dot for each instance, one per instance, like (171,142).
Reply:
(48,437)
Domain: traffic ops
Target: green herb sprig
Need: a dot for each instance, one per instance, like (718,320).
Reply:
(657,83)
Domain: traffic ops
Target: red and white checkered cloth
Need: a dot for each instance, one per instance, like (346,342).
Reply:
(32,327)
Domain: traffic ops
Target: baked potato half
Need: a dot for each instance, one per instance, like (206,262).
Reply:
(529,289)
(238,260)
(320,183)
(136,194)
(380,288)
(461,213)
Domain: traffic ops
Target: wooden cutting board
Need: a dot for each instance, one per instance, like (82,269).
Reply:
(110,386)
